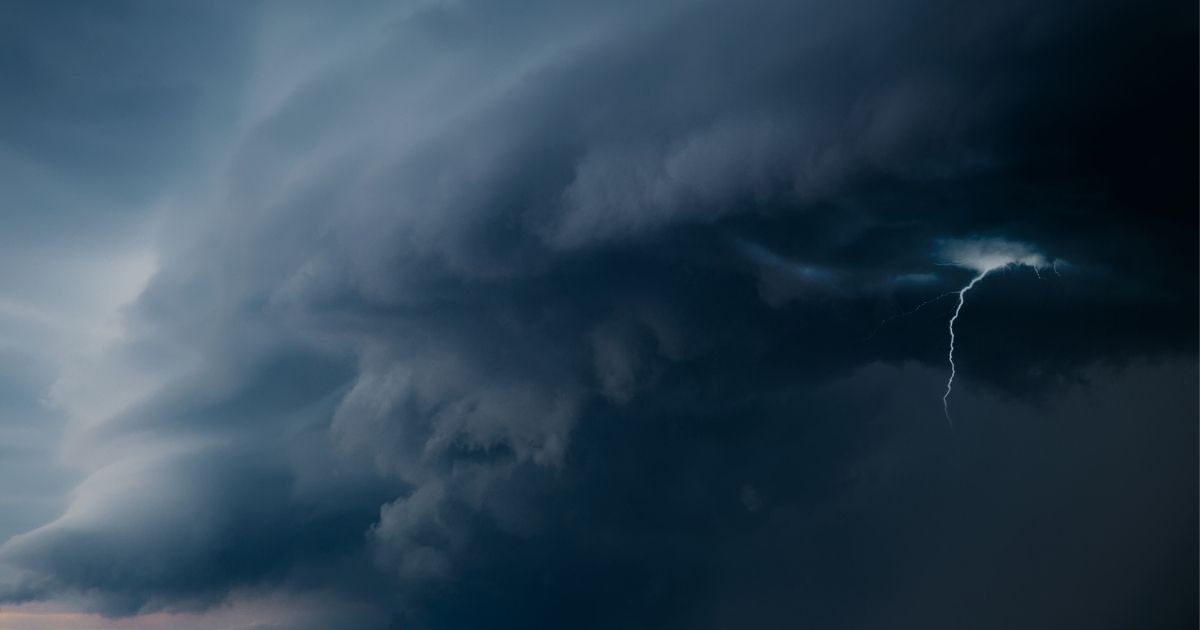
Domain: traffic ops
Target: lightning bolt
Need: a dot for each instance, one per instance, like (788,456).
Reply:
(962,294)
(905,314)
(984,255)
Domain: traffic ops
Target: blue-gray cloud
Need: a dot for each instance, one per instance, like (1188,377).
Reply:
(552,314)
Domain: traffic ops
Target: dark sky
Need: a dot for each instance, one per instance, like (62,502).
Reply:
(451,314)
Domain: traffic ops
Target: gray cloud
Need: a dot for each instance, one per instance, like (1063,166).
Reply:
(553,314)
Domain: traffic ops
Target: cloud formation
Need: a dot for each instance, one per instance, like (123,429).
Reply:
(983,255)
(461,314)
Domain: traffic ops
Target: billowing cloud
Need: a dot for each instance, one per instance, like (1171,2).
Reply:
(460,314)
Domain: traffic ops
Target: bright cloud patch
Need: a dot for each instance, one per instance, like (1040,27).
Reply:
(983,255)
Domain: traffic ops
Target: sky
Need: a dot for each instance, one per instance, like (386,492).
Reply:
(692,314)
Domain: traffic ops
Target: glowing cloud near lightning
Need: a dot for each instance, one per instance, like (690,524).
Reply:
(983,256)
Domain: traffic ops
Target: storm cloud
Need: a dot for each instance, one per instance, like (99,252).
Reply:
(563,314)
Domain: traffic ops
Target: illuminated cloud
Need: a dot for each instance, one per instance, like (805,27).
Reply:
(987,254)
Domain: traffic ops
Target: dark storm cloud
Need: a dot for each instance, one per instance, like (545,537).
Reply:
(559,315)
